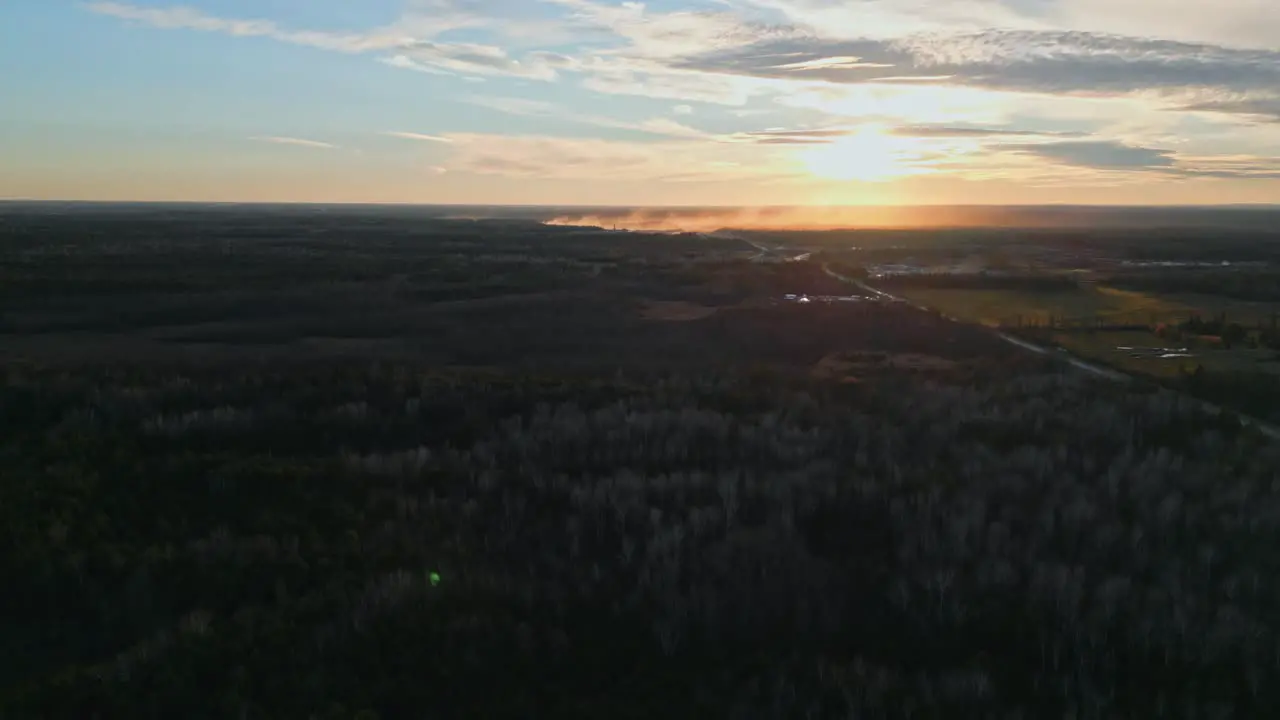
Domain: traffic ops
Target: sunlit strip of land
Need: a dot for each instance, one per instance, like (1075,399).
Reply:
(916,216)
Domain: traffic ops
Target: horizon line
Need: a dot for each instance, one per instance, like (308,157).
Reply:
(557,206)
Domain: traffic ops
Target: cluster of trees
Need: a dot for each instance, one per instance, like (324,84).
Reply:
(1254,393)
(1219,329)
(1261,285)
(385,541)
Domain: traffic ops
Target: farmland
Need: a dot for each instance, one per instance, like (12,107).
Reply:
(1221,347)
(1100,303)
(1033,313)
(1125,350)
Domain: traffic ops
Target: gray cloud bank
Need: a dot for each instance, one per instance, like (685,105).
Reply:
(1021,61)
(1110,155)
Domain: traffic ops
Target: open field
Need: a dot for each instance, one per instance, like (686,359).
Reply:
(1108,305)
(1106,347)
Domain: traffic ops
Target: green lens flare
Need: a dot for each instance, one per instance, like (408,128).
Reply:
(434,578)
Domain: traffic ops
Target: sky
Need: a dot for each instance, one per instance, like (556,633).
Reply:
(669,102)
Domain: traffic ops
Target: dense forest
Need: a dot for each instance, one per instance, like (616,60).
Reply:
(1253,393)
(349,540)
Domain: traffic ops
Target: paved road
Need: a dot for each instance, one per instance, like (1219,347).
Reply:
(764,250)
(1267,429)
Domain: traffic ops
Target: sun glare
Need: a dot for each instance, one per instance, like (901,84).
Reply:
(870,155)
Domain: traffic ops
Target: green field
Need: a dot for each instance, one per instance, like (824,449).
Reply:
(1103,346)
(1110,305)
(996,307)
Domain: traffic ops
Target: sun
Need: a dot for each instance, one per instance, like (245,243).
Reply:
(869,155)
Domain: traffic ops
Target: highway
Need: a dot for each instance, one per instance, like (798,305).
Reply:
(1267,429)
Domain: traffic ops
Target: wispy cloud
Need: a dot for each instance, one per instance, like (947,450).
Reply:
(677,54)
(419,136)
(727,57)
(782,136)
(1237,23)
(553,158)
(667,127)
(538,108)
(476,59)
(1263,109)
(300,142)
(514,106)
(1024,61)
(648,33)
(836,19)
(184,18)
(942,131)
(981,88)
(1231,167)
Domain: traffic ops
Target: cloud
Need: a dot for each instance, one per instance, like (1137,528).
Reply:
(824,135)
(1230,167)
(930,75)
(300,142)
(1238,23)
(666,34)
(1112,156)
(641,42)
(667,127)
(558,158)
(675,54)
(514,106)
(1171,74)
(1100,154)
(727,57)
(538,108)
(659,79)
(780,136)
(476,59)
(662,126)
(941,131)
(407,39)
(183,18)
(830,63)
(1262,109)
(418,136)
(1025,61)
(429,18)
(893,18)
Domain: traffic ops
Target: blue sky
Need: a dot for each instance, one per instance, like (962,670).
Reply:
(739,102)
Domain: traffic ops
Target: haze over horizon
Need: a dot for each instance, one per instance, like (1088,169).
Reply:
(1258,220)
(670,102)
